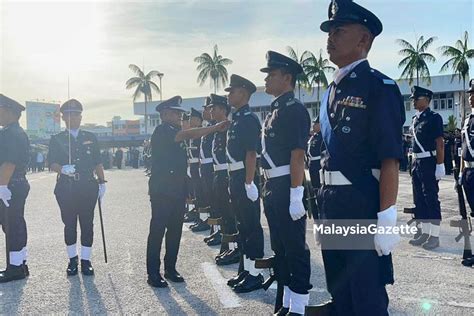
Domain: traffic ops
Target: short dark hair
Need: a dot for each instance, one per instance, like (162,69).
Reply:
(285,71)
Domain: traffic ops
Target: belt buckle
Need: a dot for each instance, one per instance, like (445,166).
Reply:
(77,177)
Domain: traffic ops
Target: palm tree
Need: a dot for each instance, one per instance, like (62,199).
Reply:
(416,60)
(316,69)
(452,123)
(301,79)
(143,84)
(213,68)
(458,62)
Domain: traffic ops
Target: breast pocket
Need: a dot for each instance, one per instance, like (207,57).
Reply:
(353,126)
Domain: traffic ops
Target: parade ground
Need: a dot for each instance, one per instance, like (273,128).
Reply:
(426,282)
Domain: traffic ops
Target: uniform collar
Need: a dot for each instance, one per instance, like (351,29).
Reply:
(170,125)
(241,111)
(341,73)
(13,124)
(282,99)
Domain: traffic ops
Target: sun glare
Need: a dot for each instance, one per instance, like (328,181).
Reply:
(56,35)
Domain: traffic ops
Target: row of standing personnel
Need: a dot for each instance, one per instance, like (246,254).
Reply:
(361,120)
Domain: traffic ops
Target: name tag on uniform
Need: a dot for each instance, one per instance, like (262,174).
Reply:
(354,102)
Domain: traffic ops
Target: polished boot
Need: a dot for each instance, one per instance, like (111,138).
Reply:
(72,266)
(283,311)
(86,267)
(230,257)
(173,276)
(211,236)
(156,281)
(202,226)
(431,243)
(237,279)
(27,270)
(216,240)
(190,217)
(12,273)
(419,241)
(249,283)
(326,309)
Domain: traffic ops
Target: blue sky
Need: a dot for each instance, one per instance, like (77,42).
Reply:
(93,42)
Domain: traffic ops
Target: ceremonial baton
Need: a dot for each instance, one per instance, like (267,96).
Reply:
(102,229)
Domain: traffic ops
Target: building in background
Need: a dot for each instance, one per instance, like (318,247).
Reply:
(98,130)
(42,119)
(121,127)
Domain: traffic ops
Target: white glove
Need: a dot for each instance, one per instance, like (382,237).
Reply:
(296,203)
(68,170)
(385,243)
(460,178)
(102,190)
(252,191)
(440,171)
(5,195)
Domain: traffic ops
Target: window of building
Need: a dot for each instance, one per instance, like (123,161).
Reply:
(450,103)
(443,104)
(436,104)
(407,105)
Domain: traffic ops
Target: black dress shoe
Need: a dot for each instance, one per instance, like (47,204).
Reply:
(174,276)
(202,226)
(431,243)
(211,236)
(26,269)
(221,254)
(237,279)
(418,233)
(326,309)
(156,281)
(72,266)
(216,240)
(419,241)
(293,314)
(230,257)
(190,217)
(86,267)
(469,262)
(283,311)
(249,283)
(12,273)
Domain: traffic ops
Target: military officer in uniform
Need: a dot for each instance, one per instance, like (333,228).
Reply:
(14,188)
(467,162)
(243,143)
(206,172)
(195,120)
(428,168)
(167,188)
(284,141)
(313,158)
(74,155)
(361,118)
(220,110)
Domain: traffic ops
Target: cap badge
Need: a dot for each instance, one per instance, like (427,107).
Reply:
(334,7)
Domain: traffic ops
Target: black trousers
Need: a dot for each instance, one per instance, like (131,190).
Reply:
(468,185)
(248,216)
(207,178)
(12,218)
(166,218)
(222,206)
(355,275)
(287,237)
(77,200)
(425,185)
(196,184)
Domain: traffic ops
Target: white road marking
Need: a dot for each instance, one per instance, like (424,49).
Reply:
(226,296)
